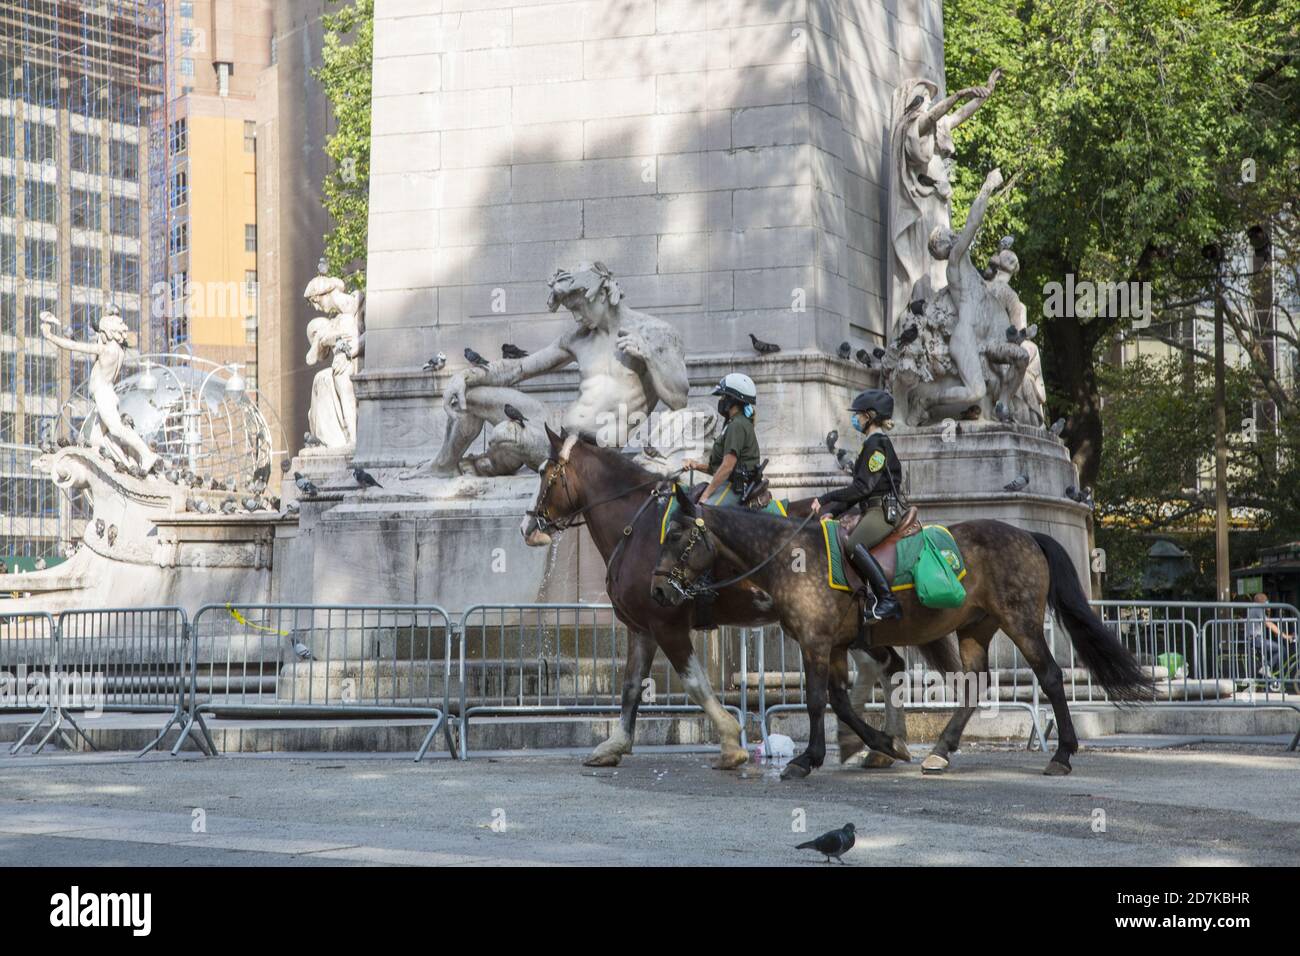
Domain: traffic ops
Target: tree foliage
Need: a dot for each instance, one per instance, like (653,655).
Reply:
(1122,129)
(345,73)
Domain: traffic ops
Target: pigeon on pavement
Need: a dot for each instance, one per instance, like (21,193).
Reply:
(832,844)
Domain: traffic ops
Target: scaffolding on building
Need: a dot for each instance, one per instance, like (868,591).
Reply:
(82,225)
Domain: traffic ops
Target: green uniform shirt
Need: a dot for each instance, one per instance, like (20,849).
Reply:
(738,438)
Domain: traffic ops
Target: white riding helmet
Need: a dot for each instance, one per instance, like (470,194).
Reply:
(739,386)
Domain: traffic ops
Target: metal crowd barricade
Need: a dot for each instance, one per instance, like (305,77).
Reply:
(306,660)
(781,685)
(567,660)
(140,654)
(29,663)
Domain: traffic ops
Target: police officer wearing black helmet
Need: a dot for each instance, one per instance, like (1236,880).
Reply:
(877,475)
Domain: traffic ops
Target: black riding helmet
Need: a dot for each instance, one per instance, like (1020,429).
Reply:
(876,400)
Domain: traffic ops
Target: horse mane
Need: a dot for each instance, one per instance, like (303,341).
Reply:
(623,467)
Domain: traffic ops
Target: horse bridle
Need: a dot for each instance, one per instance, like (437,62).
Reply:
(704,585)
(548,525)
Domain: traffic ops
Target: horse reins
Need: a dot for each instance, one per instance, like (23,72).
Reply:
(702,585)
(546,524)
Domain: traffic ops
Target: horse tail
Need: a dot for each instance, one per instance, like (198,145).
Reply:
(1109,661)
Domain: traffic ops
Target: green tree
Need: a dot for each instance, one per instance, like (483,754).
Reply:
(347,60)
(1122,129)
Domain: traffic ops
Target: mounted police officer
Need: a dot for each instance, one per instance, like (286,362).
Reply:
(734,459)
(877,475)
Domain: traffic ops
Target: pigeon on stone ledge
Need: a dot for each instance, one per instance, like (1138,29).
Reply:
(763,348)
(1019,483)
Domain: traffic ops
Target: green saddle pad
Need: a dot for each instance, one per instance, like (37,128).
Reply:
(722,498)
(909,549)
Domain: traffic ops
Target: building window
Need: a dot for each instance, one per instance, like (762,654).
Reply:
(8,372)
(42,372)
(179,240)
(187,9)
(179,283)
(180,189)
(40,201)
(250,330)
(87,270)
(125,271)
(250,238)
(8,196)
(39,427)
(187,66)
(250,284)
(179,136)
(86,210)
(124,217)
(84,319)
(84,148)
(8,313)
(7,140)
(250,136)
(8,254)
(41,260)
(123,160)
(79,373)
(39,142)
(8,434)
(187,37)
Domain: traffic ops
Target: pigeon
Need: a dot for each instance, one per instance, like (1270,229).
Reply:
(229,506)
(845,350)
(1029,332)
(1006,242)
(915,104)
(509,351)
(201,506)
(173,476)
(1058,426)
(310,440)
(474,358)
(436,363)
(127,420)
(515,415)
(877,353)
(302,650)
(1002,413)
(1012,333)
(305,485)
(925,180)
(196,481)
(63,441)
(214,485)
(99,527)
(292,508)
(285,466)
(1019,483)
(909,335)
(863,357)
(231,484)
(365,479)
(251,504)
(832,437)
(833,844)
(761,347)
(112,534)
(845,460)
(916,307)
(1084,497)
(322,266)
(135,471)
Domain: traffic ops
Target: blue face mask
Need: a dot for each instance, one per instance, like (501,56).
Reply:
(857,423)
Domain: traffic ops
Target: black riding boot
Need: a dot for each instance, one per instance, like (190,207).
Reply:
(887,606)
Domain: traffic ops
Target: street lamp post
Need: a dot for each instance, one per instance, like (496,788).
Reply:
(1222,565)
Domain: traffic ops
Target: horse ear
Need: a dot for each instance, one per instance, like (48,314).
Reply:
(555,440)
(685,501)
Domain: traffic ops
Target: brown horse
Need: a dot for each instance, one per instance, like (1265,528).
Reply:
(1012,576)
(622,506)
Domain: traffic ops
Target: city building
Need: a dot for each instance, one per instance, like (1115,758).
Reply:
(80,83)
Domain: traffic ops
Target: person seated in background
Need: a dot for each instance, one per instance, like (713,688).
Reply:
(1265,637)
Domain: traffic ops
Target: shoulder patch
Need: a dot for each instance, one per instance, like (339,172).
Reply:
(876,461)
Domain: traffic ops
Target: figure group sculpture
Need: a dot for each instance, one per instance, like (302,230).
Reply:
(336,335)
(628,362)
(959,342)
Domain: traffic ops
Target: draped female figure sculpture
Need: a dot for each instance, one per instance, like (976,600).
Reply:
(339,335)
(922,151)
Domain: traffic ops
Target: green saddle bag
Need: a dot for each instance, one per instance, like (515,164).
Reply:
(936,583)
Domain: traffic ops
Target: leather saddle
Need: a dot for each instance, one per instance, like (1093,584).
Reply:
(885,553)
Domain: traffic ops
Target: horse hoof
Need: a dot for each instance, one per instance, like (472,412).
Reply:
(602,760)
(934,764)
(795,771)
(731,759)
(855,759)
(1056,769)
(877,761)
(899,751)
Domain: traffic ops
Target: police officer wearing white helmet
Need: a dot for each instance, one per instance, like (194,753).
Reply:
(735,450)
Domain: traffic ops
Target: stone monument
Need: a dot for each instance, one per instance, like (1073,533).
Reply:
(726,172)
